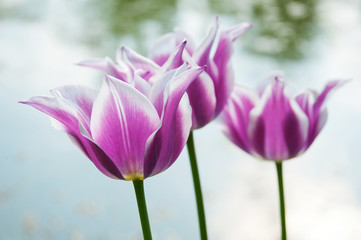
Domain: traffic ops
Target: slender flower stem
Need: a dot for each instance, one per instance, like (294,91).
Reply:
(197,187)
(282,200)
(142,207)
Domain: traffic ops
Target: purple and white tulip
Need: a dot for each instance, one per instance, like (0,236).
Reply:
(128,132)
(273,124)
(210,92)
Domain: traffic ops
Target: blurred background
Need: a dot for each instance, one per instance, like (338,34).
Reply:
(50,190)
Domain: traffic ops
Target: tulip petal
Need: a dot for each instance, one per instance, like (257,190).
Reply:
(167,43)
(201,55)
(162,48)
(319,111)
(156,94)
(202,97)
(97,156)
(80,98)
(180,36)
(235,116)
(57,109)
(119,112)
(164,146)
(278,127)
(141,84)
(175,60)
(220,68)
(64,115)
(107,66)
(137,61)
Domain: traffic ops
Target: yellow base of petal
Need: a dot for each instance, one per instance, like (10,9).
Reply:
(133,176)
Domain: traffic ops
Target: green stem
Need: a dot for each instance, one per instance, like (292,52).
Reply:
(197,187)
(142,207)
(282,200)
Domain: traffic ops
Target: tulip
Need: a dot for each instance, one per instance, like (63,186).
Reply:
(274,125)
(127,134)
(210,92)
(207,95)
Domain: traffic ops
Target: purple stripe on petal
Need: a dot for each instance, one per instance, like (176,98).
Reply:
(293,135)
(282,120)
(119,112)
(258,138)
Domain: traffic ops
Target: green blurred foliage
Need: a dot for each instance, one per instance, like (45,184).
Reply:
(281,29)
(109,20)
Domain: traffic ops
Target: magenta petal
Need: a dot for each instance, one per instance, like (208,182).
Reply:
(202,97)
(97,156)
(156,94)
(278,127)
(220,69)
(319,113)
(107,66)
(80,98)
(64,111)
(57,109)
(175,60)
(180,36)
(201,55)
(235,116)
(119,112)
(165,145)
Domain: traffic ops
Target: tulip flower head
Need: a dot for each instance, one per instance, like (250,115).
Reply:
(210,92)
(273,124)
(130,130)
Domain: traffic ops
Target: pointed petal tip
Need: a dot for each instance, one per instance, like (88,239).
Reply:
(248,25)
(238,30)
(339,82)
(120,51)
(181,46)
(82,63)
(29,101)
(184,43)
(278,75)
